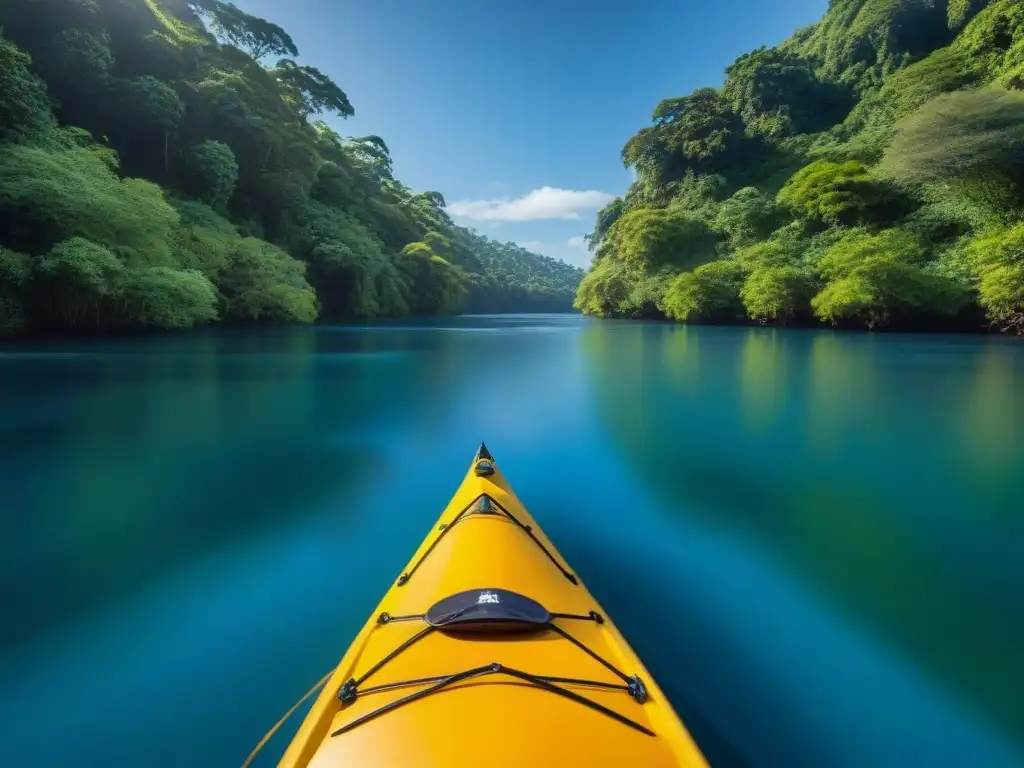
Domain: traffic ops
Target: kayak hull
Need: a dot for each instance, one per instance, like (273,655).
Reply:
(514,707)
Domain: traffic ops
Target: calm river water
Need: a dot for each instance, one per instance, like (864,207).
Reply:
(814,540)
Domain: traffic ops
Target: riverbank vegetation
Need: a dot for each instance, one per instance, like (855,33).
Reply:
(165,163)
(868,172)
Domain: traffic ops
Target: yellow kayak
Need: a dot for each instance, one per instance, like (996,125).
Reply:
(487,650)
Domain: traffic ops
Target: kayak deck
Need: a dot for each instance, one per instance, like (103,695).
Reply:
(488,650)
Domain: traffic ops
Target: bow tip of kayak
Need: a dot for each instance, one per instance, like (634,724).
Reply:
(482,453)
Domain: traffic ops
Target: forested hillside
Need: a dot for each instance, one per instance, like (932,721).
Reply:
(513,279)
(164,163)
(868,172)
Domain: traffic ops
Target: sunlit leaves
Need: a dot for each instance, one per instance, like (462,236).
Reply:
(316,92)
(81,278)
(438,243)
(994,42)
(861,41)
(749,216)
(775,293)
(436,199)
(699,196)
(371,153)
(62,194)
(256,36)
(1001,290)
(284,203)
(853,297)
(428,209)
(646,296)
(605,289)
(436,287)
(835,193)
(709,293)
(203,240)
(959,134)
(944,71)
(164,297)
(959,12)
(998,262)
(418,249)
(901,242)
(651,238)
(877,288)
(787,247)
(872,276)
(859,246)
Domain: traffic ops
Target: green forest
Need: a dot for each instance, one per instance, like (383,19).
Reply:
(166,164)
(866,173)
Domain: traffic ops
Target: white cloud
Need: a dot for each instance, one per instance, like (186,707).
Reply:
(564,250)
(543,203)
(577,242)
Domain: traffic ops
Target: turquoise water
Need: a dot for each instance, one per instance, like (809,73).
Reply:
(814,540)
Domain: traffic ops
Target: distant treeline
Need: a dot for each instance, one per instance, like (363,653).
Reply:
(163,164)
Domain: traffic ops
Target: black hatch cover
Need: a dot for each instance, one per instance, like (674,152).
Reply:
(488,609)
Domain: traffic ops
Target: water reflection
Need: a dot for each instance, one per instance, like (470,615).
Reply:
(839,388)
(221,512)
(763,367)
(682,356)
(992,415)
(856,505)
(812,539)
(149,440)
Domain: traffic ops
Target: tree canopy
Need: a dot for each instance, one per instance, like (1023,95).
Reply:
(165,164)
(868,172)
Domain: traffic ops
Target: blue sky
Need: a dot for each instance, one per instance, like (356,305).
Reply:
(517,111)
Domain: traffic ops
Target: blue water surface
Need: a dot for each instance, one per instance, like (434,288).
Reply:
(813,539)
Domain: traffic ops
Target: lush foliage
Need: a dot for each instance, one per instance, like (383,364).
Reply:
(868,172)
(164,164)
(511,278)
(998,260)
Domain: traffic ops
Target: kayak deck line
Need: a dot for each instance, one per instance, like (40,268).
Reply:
(424,680)
(532,668)
(491,669)
(489,613)
(468,510)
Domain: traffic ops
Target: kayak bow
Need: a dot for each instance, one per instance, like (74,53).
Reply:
(488,650)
